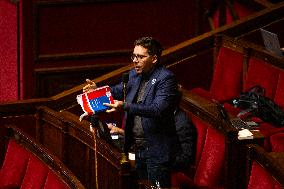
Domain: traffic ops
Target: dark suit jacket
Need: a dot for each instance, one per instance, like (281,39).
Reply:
(186,146)
(156,111)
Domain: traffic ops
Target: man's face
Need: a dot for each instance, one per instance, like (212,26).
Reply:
(143,62)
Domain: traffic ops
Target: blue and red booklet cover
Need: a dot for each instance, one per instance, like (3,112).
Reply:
(91,102)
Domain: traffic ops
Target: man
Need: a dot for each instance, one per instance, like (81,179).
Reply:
(186,133)
(149,118)
(186,145)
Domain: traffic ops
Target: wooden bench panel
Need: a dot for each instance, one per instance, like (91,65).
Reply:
(96,163)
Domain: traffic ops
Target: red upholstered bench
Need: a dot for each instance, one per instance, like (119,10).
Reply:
(27,165)
(208,170)
(14,167)
(227,78)
(272,80)
(266,170)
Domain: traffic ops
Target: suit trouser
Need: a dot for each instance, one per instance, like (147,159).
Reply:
(150,170)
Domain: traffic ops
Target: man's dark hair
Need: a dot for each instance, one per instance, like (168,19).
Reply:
(154,47)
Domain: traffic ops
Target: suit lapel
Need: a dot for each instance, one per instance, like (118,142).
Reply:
(152,81)
(134,90)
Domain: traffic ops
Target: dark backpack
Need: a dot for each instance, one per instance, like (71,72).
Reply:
(257,104)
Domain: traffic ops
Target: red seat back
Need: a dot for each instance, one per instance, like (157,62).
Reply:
(211,165)
(35,175)
(227,78)
(260,73)
(210,159)
(260,178)
(201,129)
(53,182)
(14,166)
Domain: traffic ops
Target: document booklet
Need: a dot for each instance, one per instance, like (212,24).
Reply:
(91,102)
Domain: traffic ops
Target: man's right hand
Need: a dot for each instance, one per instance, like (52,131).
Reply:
(114,129)
(90,86)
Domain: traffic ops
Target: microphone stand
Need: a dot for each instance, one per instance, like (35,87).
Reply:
(124,159)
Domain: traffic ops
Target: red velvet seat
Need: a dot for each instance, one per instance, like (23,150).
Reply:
(263,74)
(35,175)
(241,11)
(210,159)
(22,169)
(271,79)
(53,182)
(268,130)
(277,142)
(261,179)
(14,166)
(227,78)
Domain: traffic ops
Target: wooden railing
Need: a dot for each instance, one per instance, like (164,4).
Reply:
(95,162)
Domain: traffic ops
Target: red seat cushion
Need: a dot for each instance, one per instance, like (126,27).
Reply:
(35,175)
(14,166)
(53,182)
(260,178)
(227,78)
(260,73)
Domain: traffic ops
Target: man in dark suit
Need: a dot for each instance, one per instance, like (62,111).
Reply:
(149,112)
(186,145)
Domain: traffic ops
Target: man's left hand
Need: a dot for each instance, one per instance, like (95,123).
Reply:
(114,107)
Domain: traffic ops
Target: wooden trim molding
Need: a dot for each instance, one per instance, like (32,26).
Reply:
(79,56)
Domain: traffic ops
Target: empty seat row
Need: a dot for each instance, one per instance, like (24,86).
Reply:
(237,70)
(23,168)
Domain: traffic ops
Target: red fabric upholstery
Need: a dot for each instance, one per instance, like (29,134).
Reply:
(260,178)
(201,128)
(242,11)
(227,77)
(279,95)
(260,73)
(21,169)
(53,182)
(210,167)
(277,142)
(210,158)
(35,175)
(268,130)
(14,166)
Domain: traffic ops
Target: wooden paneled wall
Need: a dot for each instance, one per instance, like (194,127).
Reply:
(61,39)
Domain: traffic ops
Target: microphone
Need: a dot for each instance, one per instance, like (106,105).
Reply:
(125,78)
